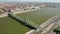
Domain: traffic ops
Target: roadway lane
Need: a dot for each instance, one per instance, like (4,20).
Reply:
(51,26)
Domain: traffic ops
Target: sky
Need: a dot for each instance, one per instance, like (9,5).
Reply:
(30,1)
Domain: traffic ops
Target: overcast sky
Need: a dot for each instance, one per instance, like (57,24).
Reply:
(29,0)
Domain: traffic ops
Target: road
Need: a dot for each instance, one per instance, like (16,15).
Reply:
(51,26)
(3,15)
(46,24)
(16,12)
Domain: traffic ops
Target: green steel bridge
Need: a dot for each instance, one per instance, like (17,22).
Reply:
(28,23)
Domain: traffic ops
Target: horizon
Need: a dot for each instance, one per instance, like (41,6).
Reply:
(51,1)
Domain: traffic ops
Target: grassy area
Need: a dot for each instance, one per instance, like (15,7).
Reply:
(41,15)
(10,26)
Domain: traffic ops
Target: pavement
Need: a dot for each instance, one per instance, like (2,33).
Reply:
(3,15)
(16,12)
(47,26)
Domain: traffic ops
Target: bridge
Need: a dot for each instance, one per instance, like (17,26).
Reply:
(44,28)
(28,23)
